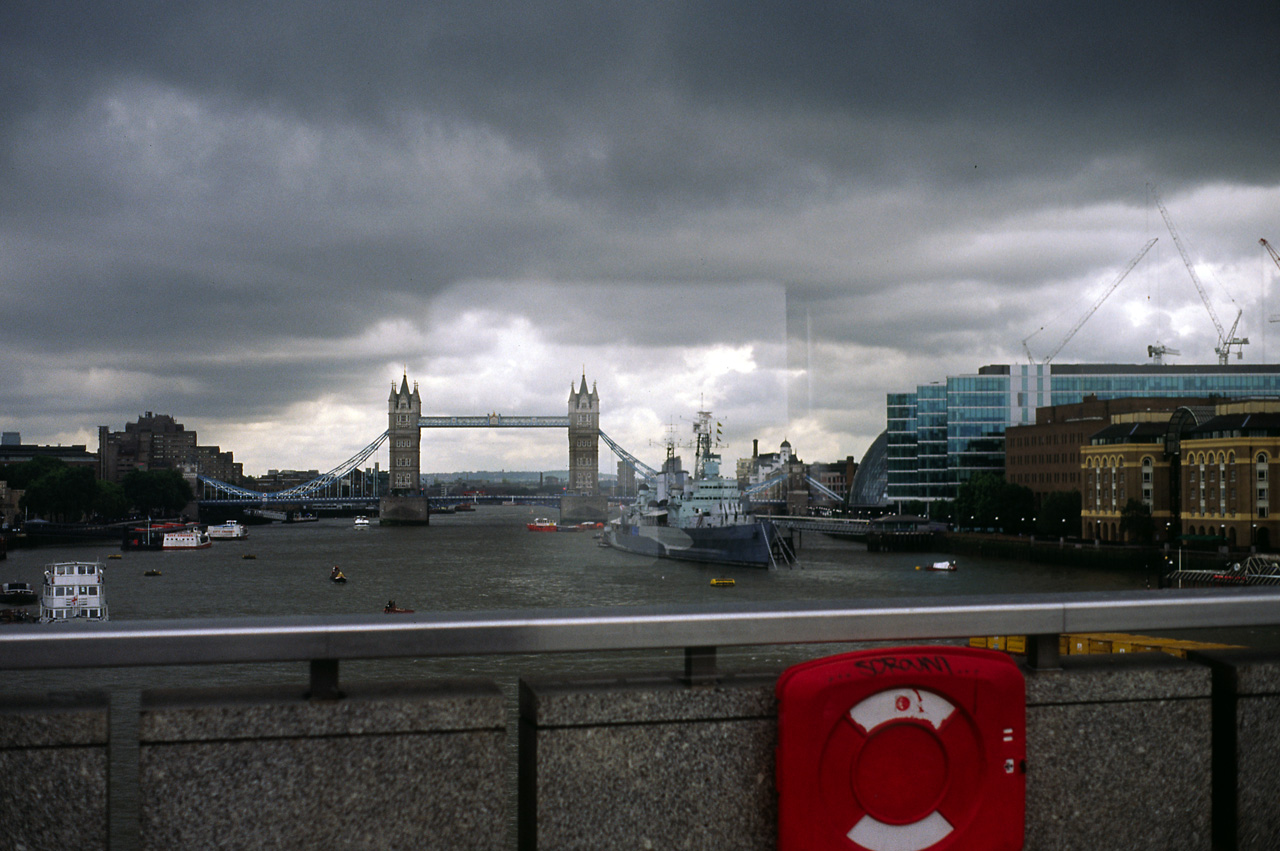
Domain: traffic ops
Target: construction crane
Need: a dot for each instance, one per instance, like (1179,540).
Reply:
(1226,339)
(1159,350)
(1098,303)
(1275,317)
(1270,250)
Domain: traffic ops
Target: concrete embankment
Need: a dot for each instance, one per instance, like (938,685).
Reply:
(1047,551)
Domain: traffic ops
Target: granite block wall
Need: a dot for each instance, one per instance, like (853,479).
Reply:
(1246,742)
(1118,754)
(53,772)
(648,763)
(385,767)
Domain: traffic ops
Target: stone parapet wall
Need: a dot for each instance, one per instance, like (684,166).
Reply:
(1118,754)
(401,766)
(1128,751)
(53,772)
(648,763)
(1246,748)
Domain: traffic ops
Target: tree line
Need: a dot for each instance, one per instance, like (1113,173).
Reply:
(987,502)
(56,491)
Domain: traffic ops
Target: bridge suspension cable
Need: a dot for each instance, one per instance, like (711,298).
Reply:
(765,485)
(632,461)
(823,489)
(306,489)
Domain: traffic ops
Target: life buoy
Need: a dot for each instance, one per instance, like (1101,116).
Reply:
(886,750)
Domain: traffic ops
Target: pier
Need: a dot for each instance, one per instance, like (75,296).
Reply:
(1124,751)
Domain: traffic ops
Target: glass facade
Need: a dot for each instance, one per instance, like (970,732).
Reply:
(901,446)
(944,433)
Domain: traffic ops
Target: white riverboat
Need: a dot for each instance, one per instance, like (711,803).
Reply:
(72,590)
(186,539)
(362,522)
(231,530)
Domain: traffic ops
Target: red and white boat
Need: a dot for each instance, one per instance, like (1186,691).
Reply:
(542,524)
(186,539)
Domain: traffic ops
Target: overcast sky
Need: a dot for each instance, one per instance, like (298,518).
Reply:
(258,216)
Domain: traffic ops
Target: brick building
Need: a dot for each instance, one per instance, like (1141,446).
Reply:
(1203,472)
(1045,457)
(158,442)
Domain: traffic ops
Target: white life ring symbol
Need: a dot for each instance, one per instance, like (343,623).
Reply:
(895,705)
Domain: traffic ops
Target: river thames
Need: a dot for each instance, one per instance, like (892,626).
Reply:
(488,560)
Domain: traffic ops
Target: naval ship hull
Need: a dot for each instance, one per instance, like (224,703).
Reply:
(746,544)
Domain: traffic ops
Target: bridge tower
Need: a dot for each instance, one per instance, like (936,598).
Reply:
(584,440)
(404,409)
(582,500)
(405,505)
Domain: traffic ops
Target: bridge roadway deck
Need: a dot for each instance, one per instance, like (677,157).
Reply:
(493,421)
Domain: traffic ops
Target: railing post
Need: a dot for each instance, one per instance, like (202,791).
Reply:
(324,680)
(1042,652)
(700,665)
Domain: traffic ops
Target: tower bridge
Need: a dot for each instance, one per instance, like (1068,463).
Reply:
(348,482)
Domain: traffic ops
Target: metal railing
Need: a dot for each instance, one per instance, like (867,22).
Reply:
(325,641)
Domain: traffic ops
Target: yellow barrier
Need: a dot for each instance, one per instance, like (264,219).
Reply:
(1078,644)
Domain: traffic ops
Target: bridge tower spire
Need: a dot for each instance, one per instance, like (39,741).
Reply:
(404,410)
(584,440)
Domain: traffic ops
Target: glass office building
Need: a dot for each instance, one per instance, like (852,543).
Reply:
(944,433)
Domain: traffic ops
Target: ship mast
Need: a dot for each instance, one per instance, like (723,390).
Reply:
(702,428)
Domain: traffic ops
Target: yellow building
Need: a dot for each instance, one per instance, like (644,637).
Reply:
(1201,473)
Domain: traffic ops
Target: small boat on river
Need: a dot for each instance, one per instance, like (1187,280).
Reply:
(336,575)
(362,522)
(392,609)
(186,539)
(231,530)
(939,565)
(17,594)
(542,524)
(150,535)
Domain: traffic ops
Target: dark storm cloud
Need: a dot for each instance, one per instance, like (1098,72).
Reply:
(213,194)
(709,96)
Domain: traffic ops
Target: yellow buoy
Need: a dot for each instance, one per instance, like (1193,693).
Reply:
(721,583)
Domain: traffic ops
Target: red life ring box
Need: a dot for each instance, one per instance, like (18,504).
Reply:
(902,749)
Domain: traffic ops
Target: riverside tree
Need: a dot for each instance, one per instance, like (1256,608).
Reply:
(159,492)
(987,501)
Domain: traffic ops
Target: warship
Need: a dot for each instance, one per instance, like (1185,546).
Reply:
(702,517)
